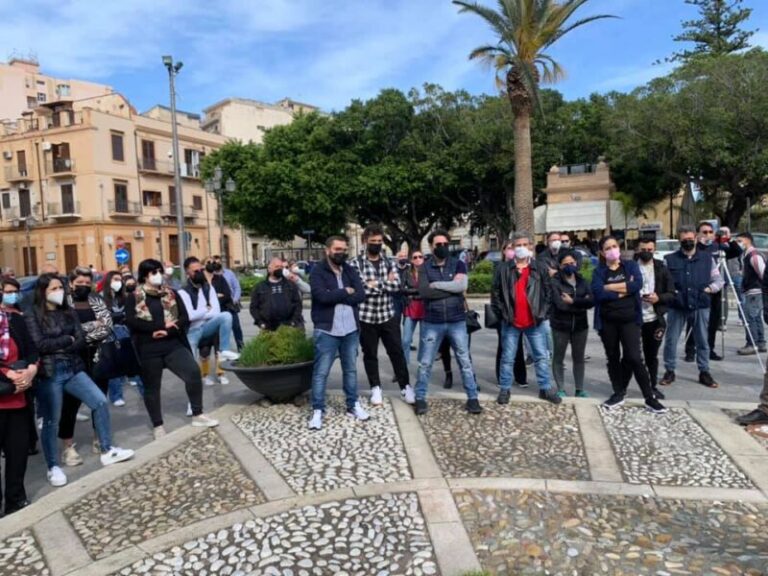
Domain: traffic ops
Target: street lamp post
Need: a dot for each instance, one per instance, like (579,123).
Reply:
(173,70)
(214,186)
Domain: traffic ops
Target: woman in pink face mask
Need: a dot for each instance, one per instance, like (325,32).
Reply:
(616,285)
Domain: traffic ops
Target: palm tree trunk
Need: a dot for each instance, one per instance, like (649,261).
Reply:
(523,172)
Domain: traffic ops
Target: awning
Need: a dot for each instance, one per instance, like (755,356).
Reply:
(540,219)
(577,216)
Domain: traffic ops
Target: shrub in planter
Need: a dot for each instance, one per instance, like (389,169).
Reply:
(286,345)
(248,283)
(480,283)
(483,267)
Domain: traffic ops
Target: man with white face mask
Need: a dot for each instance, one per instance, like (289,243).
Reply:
(548,257)
(520,299)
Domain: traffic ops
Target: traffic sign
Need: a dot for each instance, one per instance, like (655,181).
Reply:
(307,232)
(122,255)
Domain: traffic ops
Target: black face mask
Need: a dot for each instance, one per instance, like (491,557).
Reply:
(339,258)
(81,292)
(688,245)
(210,267)
(277,273)
(645,256)
(374,249)
(130,287)
(198,277)
(217,266)
(441,252)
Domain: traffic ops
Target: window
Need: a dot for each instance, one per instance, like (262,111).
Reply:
(197,202)
(152,198)
(121,196)
(172,198)
(148,155)
(118,154)
(62,90)
(41,97)
(6,200)
(67,199)
(31,102)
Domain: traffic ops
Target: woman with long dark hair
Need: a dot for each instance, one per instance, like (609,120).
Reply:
(157,317)
(60,340)
(616,286)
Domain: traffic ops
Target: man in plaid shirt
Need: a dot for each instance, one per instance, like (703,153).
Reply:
(378,320)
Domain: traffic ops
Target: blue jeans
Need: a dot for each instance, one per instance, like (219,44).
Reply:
(431,337)
(538,338)
(221,324)
(327,347)
(409,329)
(50,392)
(753,310)
(676,320)
(115,387)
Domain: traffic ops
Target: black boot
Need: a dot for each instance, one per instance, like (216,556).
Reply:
(448,380)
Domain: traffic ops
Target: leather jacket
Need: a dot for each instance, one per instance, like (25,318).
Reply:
(537,291)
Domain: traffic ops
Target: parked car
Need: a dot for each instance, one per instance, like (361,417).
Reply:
(493,256)
(666,246)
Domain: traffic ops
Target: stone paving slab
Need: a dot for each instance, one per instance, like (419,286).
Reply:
(344,453)
(527,533)
(733,414)
(528,440)
(199,479)
(379,535)
(20,555)
(669,449)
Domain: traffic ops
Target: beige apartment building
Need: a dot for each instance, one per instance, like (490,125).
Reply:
(81,178)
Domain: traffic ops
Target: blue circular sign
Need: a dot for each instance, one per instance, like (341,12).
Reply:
(122,255)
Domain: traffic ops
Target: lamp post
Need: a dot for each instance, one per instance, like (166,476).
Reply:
(173,70)
(213,186)
(29,223)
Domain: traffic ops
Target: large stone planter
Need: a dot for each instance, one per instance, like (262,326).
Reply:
(278,383)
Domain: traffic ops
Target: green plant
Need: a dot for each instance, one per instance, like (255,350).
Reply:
(586,269)
(480,283)
(483,267)
(286,345)
(248,283)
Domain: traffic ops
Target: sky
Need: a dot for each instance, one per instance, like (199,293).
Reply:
(323,52)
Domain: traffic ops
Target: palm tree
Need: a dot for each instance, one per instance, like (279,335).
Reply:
(525,29)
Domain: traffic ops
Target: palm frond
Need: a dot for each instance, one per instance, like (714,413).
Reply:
(563,31)
(493,18)
(551,71)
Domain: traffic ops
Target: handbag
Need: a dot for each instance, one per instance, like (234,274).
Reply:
(473,321)
(491,320)
(116,356)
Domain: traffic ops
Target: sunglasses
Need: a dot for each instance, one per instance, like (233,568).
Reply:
(441,244)
(707,232)
(417,257)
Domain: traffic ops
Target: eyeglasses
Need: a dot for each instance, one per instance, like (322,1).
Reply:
(417,257)
(441,244)
(707,232)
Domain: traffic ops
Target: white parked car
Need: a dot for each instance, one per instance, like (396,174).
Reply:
(666,246)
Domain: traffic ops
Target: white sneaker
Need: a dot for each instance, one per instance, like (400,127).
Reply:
(316,422)
(408,395)
(70,457)
(39,423)
(203,421)
(57,477)
(358,413)
(376,399)
(115,455)
(82,417)
(189,410)
(228,355)
(119,403)
(223,380)
(207,381)
(158,432)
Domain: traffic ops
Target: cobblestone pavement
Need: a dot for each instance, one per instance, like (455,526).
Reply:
(20,556)
(200,479)
(344,453)
(379,535)
(762,440)
(524,440)
(522,533)
(669,449)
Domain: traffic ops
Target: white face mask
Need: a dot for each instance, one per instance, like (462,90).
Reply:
(169,271)
(521,253)
(741,245)
(56,297)
(566,243)
(555,245)
(156,279)
(116,285)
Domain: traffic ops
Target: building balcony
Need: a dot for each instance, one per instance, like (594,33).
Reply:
(155,166)
(64,210)
(18,214)
(190,170)
(169,211)
(58,167)
(123,209)
(18,174)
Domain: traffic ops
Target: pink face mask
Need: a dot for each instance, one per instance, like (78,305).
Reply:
(612,254)
(509,254)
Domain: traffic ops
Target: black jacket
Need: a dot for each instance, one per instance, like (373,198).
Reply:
(142,330)
(27,350)
(263,311)
(502,293)
(570,317)
(58,336)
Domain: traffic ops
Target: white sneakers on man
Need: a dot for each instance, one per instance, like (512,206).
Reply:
(316,422)
(208,381)
(358,413)
(376,397)
(57,477)
(228,355)
(203,421)
(70,457)
(115,455)
(408,395)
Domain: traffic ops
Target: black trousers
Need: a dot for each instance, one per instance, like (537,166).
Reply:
(31,423)
(237,329)
(621,341)
(389,333)
(518,368)
(181,362)
(652,337)
(14,442)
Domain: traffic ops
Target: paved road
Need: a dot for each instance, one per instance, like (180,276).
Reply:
(739,377)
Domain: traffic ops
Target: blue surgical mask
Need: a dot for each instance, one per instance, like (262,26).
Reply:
(570,269)
(10,298)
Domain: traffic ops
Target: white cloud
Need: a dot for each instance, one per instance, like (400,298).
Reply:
(633,77)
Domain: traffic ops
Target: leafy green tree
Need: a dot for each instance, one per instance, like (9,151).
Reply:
(524,30)
(718,30)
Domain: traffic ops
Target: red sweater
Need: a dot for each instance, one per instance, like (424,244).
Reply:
(523,316)
(11,401)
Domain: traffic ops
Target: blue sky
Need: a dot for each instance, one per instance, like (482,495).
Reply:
(325,52)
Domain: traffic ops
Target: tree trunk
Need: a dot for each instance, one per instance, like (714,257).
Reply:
(523,172)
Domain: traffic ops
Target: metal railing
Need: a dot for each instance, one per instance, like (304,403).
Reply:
(17,213)
(60,166)
(155,165)
(575,169)
(68,208)
(124,207)
(17,173)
